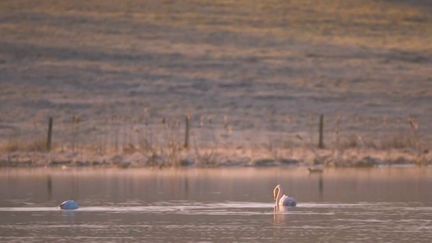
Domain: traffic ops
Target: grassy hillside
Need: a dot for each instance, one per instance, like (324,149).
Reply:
(248,72)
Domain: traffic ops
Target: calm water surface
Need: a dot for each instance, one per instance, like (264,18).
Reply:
(340,205)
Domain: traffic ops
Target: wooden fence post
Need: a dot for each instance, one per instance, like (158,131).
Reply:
(186,140)
(321,131)
(49,136)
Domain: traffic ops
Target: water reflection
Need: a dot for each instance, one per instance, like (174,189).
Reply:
(98,187)
(69,216)
(49,187)
(320,184)
(216,205)
(321,187)
(186,186)
(280,214)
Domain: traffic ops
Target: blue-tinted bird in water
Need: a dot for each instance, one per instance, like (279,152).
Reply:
(282,199)
(69,205)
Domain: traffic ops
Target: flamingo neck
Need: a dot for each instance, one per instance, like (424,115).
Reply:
(279,195)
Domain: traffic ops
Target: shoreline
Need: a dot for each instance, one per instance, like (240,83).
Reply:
(221,158)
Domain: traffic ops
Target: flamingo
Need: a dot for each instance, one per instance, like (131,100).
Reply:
(282,199)
(69,205)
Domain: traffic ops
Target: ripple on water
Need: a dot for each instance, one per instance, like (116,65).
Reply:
(226,221)
(235,208)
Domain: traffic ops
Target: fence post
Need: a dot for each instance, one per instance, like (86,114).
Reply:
(321,131)
(49,136)
(186,140)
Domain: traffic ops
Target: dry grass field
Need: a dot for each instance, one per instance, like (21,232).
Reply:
(118,77)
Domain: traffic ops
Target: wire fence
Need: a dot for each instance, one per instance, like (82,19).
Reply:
(121,134)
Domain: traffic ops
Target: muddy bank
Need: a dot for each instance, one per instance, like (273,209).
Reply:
(222,158)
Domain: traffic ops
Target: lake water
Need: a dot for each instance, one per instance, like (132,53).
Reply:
(234,204)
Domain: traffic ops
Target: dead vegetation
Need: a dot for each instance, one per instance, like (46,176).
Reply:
(256,74)
(163,145)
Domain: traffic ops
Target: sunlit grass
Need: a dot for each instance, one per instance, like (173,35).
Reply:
(124,144)
(254,60)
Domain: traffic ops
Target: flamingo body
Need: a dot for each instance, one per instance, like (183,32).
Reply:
(287,201)
(69,205)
